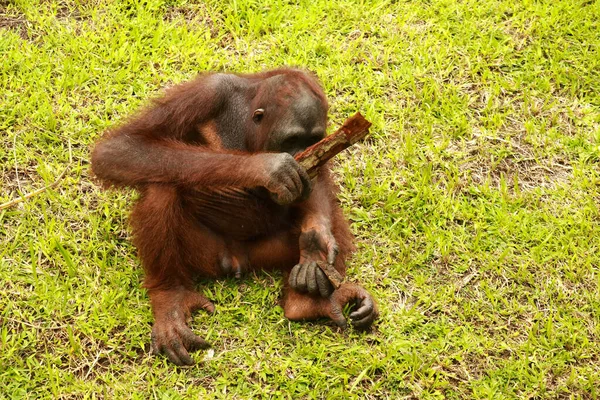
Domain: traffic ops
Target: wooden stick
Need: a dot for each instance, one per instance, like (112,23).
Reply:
(354,129)
(332,274)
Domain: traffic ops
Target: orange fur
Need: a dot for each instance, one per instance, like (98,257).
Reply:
(203,211)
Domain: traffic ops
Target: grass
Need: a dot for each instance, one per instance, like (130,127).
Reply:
(474,204)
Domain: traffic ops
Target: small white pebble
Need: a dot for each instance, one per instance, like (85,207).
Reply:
(210,353)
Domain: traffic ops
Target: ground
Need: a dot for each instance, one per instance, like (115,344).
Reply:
(474,203)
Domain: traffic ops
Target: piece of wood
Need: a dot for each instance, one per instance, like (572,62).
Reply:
(354,129)
(332,274)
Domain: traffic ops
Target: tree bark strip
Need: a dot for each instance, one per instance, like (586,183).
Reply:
(354,129)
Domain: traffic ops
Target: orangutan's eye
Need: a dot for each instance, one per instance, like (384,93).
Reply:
(258,115)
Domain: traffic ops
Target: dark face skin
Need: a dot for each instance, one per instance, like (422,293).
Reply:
(289,124)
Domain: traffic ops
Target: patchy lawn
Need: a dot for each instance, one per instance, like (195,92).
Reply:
(474,203)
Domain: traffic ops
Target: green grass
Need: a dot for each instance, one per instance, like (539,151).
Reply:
(474,204)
